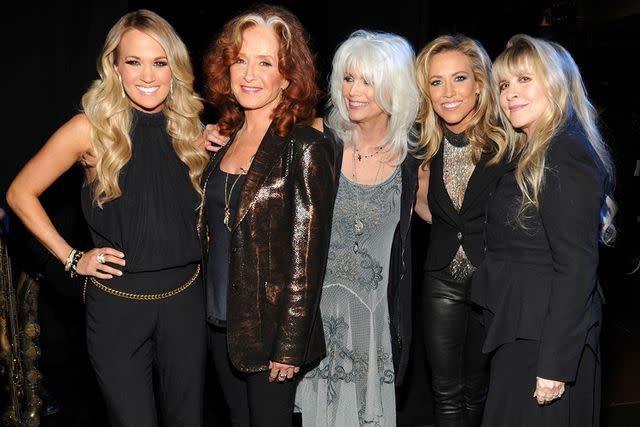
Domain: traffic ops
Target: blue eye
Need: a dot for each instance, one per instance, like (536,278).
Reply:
(132,62)
(435,82)
(460,78)
(161,63)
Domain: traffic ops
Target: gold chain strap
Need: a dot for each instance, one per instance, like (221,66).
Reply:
(139,297)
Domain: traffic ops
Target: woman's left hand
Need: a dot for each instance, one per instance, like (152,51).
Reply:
(281,371)
(548,390)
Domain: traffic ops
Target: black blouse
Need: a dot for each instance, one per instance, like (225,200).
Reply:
(223,188)
(154,221)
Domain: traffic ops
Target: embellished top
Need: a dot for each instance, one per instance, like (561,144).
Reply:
(154,220)
(457,169)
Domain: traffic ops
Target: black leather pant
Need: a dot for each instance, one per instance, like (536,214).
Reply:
(453,337)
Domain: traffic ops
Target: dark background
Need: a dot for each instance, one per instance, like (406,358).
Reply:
(49,61)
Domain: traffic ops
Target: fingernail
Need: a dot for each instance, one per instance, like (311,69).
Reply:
(119,273)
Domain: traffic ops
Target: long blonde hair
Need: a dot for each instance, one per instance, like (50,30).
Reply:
(568,100)
(110,113)
(484,131)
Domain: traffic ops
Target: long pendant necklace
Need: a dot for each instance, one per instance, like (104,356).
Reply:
(228,193)
(227,200)
(358,225)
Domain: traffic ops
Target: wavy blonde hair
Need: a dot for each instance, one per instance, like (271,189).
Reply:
(484,131)
(568,100)
(111,116)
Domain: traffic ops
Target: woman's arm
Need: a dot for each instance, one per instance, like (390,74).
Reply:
(65,147)
(422,203)
(570,202)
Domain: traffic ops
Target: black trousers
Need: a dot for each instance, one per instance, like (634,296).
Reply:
(129,341)
(453,337)
(251,398)
(513,381)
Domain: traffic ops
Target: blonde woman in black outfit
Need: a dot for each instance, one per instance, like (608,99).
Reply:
(138,142)
(538,284)
(460,132)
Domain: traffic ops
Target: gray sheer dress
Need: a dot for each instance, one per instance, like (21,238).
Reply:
(354,384)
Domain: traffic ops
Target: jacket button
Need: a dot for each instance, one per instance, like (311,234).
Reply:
(234,286)
(459,235)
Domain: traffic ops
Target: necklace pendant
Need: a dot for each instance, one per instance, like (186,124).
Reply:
(227,216)
(358,227)
(355,248)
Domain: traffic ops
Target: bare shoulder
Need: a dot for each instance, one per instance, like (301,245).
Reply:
(75,134)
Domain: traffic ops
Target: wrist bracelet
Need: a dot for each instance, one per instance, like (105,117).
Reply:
(73,270)
(69,260)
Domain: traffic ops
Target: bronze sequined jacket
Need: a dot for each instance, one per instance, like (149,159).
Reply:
(278,250)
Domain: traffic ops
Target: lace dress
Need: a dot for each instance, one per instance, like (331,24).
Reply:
(354,384)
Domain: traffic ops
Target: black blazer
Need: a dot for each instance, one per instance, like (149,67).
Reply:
(540,282)
(450,228)
(399,287)
(278,251)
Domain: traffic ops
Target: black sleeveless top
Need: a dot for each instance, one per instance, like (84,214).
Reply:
(154,221)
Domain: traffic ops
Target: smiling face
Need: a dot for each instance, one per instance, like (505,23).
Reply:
(144,69)
(453,89)
(359,98)
(256,81)
(523,99)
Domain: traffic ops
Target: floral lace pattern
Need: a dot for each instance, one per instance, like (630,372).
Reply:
(354,384)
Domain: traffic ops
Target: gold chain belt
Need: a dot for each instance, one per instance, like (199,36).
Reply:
(139,297)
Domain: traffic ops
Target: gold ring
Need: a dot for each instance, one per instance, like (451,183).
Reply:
(100,258)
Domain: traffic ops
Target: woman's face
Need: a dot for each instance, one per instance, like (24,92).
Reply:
(359,98)
(453,89)
(523,99)
(144,69)
(256,81)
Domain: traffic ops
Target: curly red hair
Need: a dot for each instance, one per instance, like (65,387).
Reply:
(296,63)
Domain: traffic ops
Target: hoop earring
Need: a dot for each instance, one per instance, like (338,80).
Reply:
(124,95)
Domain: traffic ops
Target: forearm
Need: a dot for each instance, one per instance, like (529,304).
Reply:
(30,211)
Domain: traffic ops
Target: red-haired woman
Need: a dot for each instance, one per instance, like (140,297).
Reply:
(266,217)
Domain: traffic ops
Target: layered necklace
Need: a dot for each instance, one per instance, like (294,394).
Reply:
(228,193)
(358,225)
(227,198)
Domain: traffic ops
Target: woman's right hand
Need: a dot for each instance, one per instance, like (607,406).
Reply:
(90,264)
(213,141)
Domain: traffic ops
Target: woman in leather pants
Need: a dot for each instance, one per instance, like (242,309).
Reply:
(458,136)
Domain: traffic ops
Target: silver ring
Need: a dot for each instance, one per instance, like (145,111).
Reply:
(100,258)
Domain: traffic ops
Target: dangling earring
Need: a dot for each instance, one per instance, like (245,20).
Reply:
(121,85)
(171,87)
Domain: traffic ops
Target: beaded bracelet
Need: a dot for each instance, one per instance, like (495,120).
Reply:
(73,270)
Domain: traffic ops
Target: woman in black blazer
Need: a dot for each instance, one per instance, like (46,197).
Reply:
(460,132)
(538,284)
